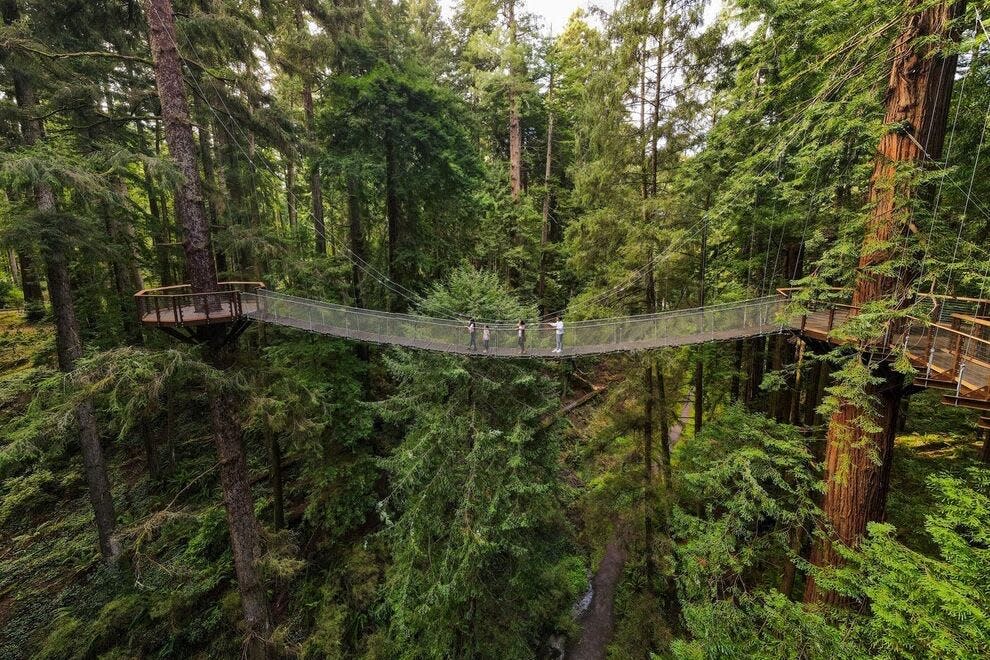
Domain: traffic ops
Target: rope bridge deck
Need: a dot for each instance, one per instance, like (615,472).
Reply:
(949,345)
(630,333)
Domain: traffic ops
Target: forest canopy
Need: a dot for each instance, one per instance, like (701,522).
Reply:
(184,474)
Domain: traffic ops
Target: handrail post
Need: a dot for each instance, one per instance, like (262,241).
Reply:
(959,381)
(958,352)
(831,318)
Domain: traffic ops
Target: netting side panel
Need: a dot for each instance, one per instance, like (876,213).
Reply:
(582,337)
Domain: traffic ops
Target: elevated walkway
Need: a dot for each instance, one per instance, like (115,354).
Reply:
(949,345)
(623,334)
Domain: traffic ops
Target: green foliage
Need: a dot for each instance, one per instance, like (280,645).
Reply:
(746,486)
(926,605)
(429,500)
(475,528)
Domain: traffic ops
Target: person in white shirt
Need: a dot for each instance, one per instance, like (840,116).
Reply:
(558,327)
(473,333)
(486,335)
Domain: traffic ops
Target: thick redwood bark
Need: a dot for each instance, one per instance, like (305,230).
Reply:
(858,462)
(856,484)
(181,145)
(515,124)
(917,106)
(985,450)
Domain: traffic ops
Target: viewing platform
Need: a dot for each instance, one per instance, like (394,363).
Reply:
(947,343)
(177,305)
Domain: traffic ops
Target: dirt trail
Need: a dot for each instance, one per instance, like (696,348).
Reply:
(598,621)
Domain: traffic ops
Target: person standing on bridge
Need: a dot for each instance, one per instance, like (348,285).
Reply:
(521,336)
(486,335)
(558,327)
(473,334)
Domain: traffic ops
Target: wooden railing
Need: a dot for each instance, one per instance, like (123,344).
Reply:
(947,337)
(179,305)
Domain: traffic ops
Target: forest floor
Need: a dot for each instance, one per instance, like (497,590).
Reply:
(598,621)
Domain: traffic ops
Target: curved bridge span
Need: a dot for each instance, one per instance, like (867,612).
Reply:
(948,344)
(749,318)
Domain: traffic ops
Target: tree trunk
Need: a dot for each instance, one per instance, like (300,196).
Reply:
(159,215)
(776,397)
(34,301)
(278,498)
(917,106)
(243,526)
(662,408)
(649,496)
(179,136)
(699,354)
(67,342)
(290,192)
(794,414)
(356,232)
(515,125)
(737,368)
(858,462)
(790,568)
(245,537)
(123,265)
(547,194)
(985,450)
(315,183)
(856,483)
(393,214)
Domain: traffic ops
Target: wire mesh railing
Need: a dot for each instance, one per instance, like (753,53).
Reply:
(631,333)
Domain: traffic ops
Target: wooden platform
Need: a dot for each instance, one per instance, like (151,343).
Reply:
(950,350)
(176,306)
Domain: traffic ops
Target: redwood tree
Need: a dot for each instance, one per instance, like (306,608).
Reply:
(245,537)
(515,125)
(858,454)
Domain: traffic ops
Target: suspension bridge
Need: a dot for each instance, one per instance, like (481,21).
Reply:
(948,344)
